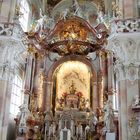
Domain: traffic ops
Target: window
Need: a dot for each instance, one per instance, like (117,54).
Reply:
(24,9)
(16,95)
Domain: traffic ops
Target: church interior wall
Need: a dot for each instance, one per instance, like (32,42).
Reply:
(126,49)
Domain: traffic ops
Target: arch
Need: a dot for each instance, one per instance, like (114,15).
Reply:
(71,58)
(49,80)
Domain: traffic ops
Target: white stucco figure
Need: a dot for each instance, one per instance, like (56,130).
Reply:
(100,17)
(45,22)
(79,131)
(87,129)
(108,117)
(136,101)
(93,121)
(64,14)
(41,21)
(51,130)
(23,115)
(77,8)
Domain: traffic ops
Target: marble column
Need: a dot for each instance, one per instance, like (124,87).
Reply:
(123,118)
(100,80)
(29,73)
(104,71)
(139,81)
(128,6)
(49,95)
(108,7)
(95,99)
(8,14)
(5,89)
(100,89)
(37,82)
(121,7)
(28,83)
(44,88)
(47,90)
(111,95)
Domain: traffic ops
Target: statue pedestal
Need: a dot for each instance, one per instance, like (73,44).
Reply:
(110,136)
(65,134)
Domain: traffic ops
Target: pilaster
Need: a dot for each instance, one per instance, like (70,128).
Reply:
(11,49)
(125,47)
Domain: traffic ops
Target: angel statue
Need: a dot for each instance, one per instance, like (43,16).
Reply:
(77,9)
(41,22)
(44,22)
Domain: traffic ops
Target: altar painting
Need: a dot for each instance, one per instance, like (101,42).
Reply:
(73,83)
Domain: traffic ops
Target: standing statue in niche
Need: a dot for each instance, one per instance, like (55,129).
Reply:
(108,117)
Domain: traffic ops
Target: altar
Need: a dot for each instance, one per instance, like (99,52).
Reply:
(72,100)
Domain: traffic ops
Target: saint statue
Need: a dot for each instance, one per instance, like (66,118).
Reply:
(136,101)
(79,131)
(72,88)
(87,129)
(50,130)
(92,121)
(108,117)
(77,9)
(23,115)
